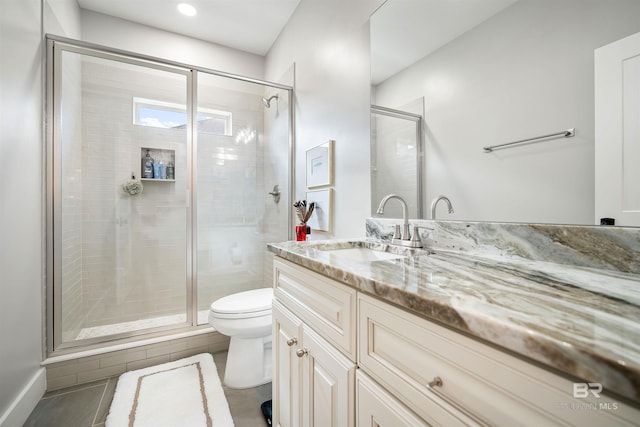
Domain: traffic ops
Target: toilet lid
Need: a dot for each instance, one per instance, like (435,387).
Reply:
(253,301)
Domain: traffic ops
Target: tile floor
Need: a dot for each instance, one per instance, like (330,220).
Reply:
(87,405)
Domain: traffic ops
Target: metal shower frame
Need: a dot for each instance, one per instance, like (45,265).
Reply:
(53,219)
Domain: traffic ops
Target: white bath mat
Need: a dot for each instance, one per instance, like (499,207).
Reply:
(184,393)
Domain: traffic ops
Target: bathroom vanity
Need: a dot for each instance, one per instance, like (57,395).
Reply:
(366,333)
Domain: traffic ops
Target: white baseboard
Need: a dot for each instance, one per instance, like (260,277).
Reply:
(29,396)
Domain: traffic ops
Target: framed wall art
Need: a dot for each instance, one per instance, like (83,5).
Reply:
(320,165)
(321,218)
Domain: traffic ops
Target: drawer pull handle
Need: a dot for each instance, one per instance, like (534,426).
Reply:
(292,341)
(437,382)
(301,352)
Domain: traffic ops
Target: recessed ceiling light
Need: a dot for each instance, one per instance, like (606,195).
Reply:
(187,9)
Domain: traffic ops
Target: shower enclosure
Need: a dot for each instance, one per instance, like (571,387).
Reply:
(122,264)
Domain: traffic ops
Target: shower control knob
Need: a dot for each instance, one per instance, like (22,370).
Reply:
(301,352)
(292,341)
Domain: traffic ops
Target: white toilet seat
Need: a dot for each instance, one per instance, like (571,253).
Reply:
(239,315)
(254,303)
(246,318)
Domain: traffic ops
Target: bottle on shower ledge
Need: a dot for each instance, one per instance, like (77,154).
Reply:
(147,166)
(156,170)
(162,170)
(171,171)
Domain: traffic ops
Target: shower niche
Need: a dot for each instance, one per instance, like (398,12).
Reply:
(157,164)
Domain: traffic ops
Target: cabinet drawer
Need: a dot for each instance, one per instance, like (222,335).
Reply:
(327,306)
(377,408)
(479,384)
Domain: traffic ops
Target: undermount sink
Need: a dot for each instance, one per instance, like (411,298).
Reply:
(363,254)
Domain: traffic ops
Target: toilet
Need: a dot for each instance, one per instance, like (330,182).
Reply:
(246,318)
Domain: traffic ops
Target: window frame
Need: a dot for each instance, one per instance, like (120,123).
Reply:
(139,102)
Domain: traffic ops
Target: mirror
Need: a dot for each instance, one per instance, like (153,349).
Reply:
(493,72)
(396,158)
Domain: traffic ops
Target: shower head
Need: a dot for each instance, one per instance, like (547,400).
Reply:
(267,102)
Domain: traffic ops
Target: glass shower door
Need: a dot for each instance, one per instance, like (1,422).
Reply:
(242,146)
(121,234)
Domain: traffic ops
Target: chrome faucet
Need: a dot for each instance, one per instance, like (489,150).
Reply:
(435,203)
(403,239)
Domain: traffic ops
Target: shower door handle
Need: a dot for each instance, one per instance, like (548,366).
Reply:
(275,193)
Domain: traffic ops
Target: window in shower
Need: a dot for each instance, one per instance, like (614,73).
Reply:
(169,115)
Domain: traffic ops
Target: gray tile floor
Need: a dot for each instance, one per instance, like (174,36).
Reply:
(88,405)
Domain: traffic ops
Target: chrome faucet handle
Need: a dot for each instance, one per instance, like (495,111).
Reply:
(416,235)
(416,241)
(406,234)
(396,233)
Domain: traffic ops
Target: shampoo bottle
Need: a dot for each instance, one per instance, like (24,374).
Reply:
(147,166)
(163,170)
(171,171)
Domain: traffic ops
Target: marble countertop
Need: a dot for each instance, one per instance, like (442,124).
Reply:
(578,320)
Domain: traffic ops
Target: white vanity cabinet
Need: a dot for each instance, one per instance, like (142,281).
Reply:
(314,349)
(343,358)
(449,379)
(377,408)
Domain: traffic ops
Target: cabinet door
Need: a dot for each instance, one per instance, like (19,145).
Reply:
(287,338)
(377,408)
(328,384)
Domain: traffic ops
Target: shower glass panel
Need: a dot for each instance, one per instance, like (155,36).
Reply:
(241,153)
(396,160)
(121,258)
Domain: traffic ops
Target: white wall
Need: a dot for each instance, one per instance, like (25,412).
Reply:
(126,35)
(62,17)
(528,71)
(329,43)
(21,229)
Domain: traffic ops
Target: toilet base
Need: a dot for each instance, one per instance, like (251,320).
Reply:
(249,362)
